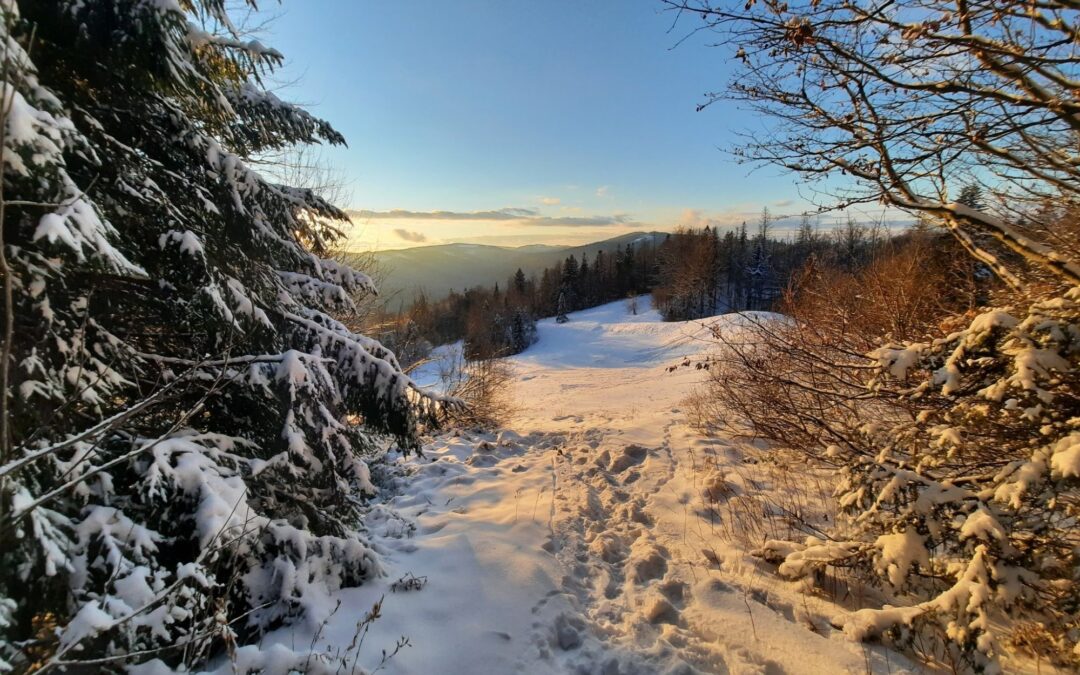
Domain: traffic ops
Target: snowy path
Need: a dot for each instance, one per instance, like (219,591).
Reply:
(581,541)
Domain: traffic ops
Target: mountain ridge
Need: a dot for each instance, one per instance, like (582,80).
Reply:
(440,268)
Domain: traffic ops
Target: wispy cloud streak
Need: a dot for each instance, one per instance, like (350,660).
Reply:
(519,216)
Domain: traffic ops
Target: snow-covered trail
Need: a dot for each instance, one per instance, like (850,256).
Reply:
(581,540)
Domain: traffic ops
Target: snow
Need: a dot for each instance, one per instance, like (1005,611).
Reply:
(1035,364)
(90,620)
(898,361)
(1066,458)
(899,552)
(273,660)
(972,591)
(187,240)
(222,510)
(578,539)
(428,373)
(982,525)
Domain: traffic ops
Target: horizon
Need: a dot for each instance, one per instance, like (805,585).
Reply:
(781,232)
(560,123)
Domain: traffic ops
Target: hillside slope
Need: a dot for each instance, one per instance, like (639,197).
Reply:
(438,269)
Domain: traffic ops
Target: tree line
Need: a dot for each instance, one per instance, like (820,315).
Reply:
(701,272)
(691,273)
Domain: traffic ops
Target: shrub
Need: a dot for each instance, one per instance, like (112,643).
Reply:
(958,457)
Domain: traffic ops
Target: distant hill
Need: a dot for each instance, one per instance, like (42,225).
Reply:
(438,269)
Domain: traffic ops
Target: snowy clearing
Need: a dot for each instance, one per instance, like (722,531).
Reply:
(580,541)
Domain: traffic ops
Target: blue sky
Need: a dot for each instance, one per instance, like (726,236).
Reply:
(521,122)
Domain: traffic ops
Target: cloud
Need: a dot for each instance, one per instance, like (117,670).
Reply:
(550,201)
(409,235)
(401,214)
(727,219)
(694,218)
(516,216)
(575,238)
(520,212)
(697,218)
(585,221)
(783,203)
(603,191)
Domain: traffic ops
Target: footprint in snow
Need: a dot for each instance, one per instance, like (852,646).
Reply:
(567,632)
(631,455)
(577,419)
(648,565)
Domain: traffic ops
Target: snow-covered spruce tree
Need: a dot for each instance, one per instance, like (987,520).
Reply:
(521,332)
(561,308)
(184,425)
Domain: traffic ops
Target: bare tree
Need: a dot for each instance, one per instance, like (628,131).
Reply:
(913,99)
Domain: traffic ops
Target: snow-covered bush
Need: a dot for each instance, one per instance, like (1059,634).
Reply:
(185,426)
(959,482)
(974,502)
(967,511)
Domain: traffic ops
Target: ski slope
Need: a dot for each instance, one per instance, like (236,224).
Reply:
(578,539)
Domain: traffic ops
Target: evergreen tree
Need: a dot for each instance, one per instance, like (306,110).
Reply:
(737,287)
(716,278)
(630,273)
(568,289)
(698,272)
(759,271)
(522,330)
(519,282)
(806,238)
(570,271)
(561,309)
(601,279)
(584,284)
(549,290)
(179,404)
(971,195)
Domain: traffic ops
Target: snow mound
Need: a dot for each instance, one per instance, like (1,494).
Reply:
(611,336)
